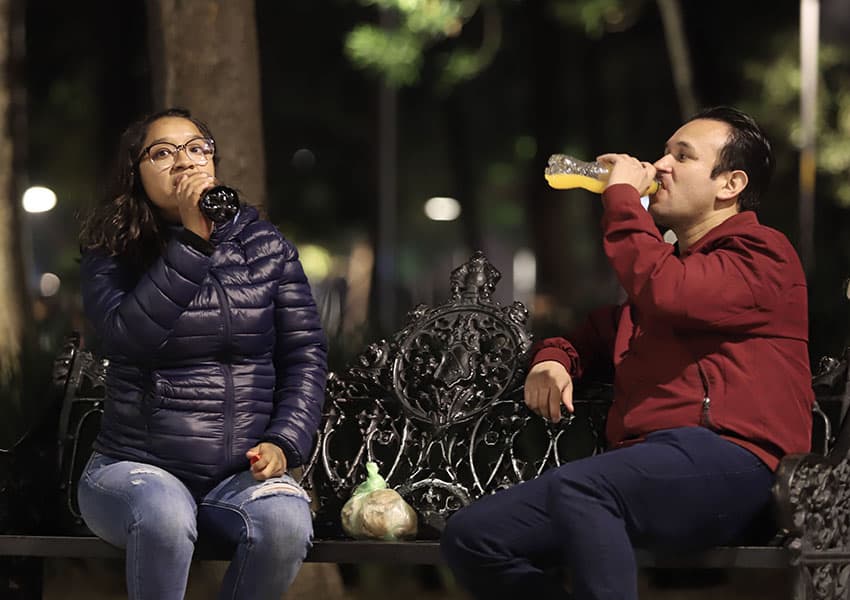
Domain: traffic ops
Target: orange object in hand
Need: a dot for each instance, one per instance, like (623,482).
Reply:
(255,458)
(565,173)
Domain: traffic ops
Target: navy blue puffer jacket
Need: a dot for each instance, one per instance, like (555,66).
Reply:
(208,355)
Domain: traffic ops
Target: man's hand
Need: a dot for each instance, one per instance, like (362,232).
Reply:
(547,386)
(628,169)
(267,460)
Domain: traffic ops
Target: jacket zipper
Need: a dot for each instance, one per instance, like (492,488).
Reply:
(705,418)
(228,412)
(147,402)
(227,372)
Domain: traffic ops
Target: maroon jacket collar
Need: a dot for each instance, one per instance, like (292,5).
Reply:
(741,221)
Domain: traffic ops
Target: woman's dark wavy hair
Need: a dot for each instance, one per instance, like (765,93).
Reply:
(126,224)
(747,149)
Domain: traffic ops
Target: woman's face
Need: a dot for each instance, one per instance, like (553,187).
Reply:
(172,138)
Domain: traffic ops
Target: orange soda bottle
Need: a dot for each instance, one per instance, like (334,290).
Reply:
(566,173)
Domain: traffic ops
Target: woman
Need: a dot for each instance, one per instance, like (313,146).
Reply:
(216,373)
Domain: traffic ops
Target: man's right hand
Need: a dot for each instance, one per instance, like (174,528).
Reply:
(547,386)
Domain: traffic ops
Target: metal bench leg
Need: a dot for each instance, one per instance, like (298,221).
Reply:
(800,583)
(821,581)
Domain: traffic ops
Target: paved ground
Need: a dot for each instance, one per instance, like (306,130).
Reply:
(68,579)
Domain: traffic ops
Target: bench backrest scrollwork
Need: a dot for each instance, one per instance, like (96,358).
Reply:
(812,491)
(81,379)
(439,407)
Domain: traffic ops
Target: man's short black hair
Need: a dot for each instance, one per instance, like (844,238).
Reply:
(747,149)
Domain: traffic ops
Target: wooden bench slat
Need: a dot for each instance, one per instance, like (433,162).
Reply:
(332,551)
(57,546)
(721,557)
(414,552)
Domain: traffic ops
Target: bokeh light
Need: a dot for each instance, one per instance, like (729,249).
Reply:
(442,208)
(316,260)
(38,199)
(48,284)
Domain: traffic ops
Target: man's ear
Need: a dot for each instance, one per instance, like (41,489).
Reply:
(735,182)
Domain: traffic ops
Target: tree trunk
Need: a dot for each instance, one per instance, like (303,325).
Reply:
(205,57)
(545,208)
(680,58)
(12,280)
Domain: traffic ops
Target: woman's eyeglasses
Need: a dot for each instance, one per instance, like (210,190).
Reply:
(163,154)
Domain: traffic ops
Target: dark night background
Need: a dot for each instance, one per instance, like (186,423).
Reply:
(550,88)
(87,76)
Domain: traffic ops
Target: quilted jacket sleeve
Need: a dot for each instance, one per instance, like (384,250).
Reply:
(300,364)
(134,315)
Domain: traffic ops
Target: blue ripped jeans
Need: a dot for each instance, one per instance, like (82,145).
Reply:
(153,515)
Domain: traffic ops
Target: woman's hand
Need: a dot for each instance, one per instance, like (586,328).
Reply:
(188,189)
(267,460)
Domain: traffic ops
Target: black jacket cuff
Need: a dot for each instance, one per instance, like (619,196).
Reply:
(293,457)
(190,238)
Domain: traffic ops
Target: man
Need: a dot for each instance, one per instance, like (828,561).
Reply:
(711,381)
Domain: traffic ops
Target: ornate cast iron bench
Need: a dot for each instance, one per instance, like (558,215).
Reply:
(439,408)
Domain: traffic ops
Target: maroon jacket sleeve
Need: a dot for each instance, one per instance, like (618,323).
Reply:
(734,287)
(589,350)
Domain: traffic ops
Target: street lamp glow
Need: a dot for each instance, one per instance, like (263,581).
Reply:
(38,199)
(49,284)
(525,272)
(442,208)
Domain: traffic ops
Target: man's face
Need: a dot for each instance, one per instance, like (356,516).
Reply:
(688,193)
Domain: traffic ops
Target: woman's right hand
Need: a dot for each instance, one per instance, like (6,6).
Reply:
(188,189)
(547,386)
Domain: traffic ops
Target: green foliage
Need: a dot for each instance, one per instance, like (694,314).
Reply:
(462,65)
(596,17)
(429,17)
(397,53)
(777,81)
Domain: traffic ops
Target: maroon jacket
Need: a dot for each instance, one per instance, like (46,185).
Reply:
(717,337)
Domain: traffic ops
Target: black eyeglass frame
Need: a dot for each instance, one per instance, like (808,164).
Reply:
(177,148)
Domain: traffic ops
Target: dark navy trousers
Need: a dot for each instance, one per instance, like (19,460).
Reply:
(680,489)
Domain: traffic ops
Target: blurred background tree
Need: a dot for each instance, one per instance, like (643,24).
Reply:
(11,259)
(459,40)
(213,68)
(19,351)
(485,91)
